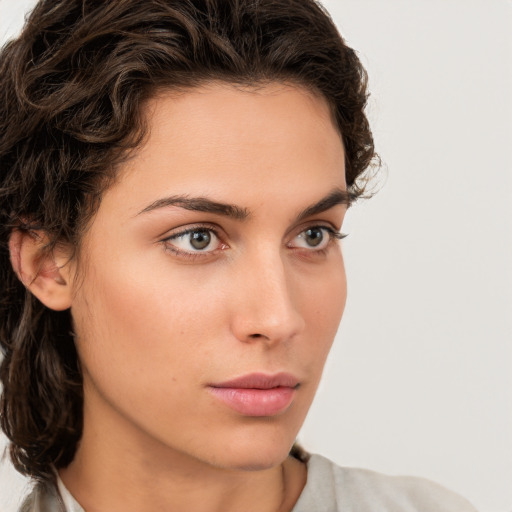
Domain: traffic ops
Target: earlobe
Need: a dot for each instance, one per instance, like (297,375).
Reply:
(45,273)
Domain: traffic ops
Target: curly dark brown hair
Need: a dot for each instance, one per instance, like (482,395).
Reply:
(71,90)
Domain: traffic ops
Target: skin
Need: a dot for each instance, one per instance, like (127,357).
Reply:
(157,320)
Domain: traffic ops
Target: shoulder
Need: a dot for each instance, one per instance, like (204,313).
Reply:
(333,488)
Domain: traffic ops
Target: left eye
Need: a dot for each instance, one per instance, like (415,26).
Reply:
(194,240)
(315,238)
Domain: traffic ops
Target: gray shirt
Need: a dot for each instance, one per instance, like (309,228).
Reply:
(329,488)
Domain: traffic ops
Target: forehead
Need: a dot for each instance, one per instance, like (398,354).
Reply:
(233,142)
(241,101)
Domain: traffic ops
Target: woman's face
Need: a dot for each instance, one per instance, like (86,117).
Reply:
(211,280)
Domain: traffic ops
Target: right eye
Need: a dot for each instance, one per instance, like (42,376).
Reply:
(193,241)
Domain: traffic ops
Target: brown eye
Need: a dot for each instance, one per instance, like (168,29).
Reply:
(194,240)
(313,237)
(200,239)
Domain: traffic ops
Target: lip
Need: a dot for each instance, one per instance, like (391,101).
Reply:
(257,394)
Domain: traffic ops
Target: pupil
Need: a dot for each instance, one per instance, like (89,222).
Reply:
(314,236)
(200,239)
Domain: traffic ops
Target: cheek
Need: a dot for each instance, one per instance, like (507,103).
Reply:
(132,325)
(323,305)
(144,350)
(323,301)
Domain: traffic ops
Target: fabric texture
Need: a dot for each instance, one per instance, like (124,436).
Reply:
(329,488)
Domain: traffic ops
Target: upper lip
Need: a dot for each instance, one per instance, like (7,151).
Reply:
(260,381)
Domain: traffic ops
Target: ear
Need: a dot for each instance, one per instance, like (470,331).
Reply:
(47,274)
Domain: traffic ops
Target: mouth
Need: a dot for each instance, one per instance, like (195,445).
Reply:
(257,394)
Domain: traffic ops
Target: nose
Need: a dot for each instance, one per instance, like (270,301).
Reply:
(266,302)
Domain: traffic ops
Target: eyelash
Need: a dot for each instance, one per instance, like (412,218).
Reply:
(193,255)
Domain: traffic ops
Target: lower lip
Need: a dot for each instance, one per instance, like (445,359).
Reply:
(256,402)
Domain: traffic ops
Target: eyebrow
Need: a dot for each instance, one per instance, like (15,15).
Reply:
(336,197)
(203,204)
(199,204)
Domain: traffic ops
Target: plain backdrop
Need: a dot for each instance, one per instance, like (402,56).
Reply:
(420,377)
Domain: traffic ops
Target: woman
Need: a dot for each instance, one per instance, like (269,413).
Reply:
(174,180)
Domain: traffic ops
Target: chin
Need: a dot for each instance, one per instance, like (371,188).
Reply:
(253,453)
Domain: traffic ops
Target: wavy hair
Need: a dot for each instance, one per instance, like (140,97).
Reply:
(72,86)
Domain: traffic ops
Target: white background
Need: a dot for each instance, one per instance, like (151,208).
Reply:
(420,378)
